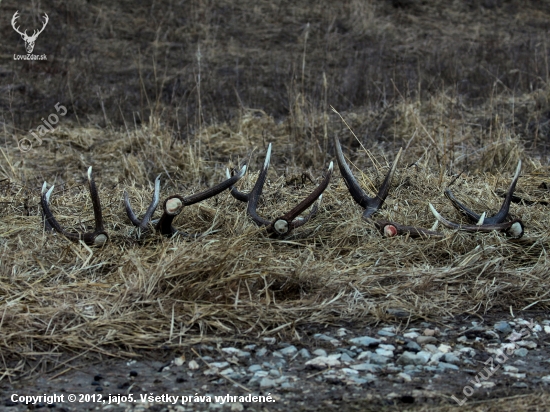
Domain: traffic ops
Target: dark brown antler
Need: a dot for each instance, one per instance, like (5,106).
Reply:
(284,224)
(96,238)
(515,228)
(502,213)
(370,204)
(175,204)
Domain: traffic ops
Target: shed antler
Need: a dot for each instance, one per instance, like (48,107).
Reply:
(284,224)
(173,205)
(514,228)
(96,238)
(370,204)
(373,204)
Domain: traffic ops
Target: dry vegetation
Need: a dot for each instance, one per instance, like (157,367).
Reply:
(461,88)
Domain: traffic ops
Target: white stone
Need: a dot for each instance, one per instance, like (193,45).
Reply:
(445,348)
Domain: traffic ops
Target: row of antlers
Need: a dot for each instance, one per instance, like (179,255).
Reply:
(283,225)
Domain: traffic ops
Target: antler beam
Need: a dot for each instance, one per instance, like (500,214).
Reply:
(391,229)
(515,228)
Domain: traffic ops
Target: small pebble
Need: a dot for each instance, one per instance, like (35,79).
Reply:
(379,359)
(346,358)
(520,385)
(369,367)
(267,383)
(406,377)
(452,358)
(365,341)
(384,352)
(422,340)
(289,350)
(444,348)
(320,352)
(413,346)
(521,352)
(411,335)
(445,365)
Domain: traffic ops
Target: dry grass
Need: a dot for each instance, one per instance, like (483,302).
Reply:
(236,282)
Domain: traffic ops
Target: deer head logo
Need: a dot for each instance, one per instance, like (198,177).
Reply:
(29,40)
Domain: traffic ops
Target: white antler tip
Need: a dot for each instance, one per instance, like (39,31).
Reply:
(49,193)
(243,171)
(481,219)
(434,212)
(331,166)
(518,169)
(267,157)
(44,188)
(90,173)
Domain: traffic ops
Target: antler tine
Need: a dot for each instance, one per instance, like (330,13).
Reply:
(378,201)
(98,217)
(370,204)
(355,190)
(96,238)
(515,228)
(288,221)
(468,213)
(48,215)
(299,221)
(142,224)
(500,216)
(47,226)
(213,191)
(236,193)
(254,195)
